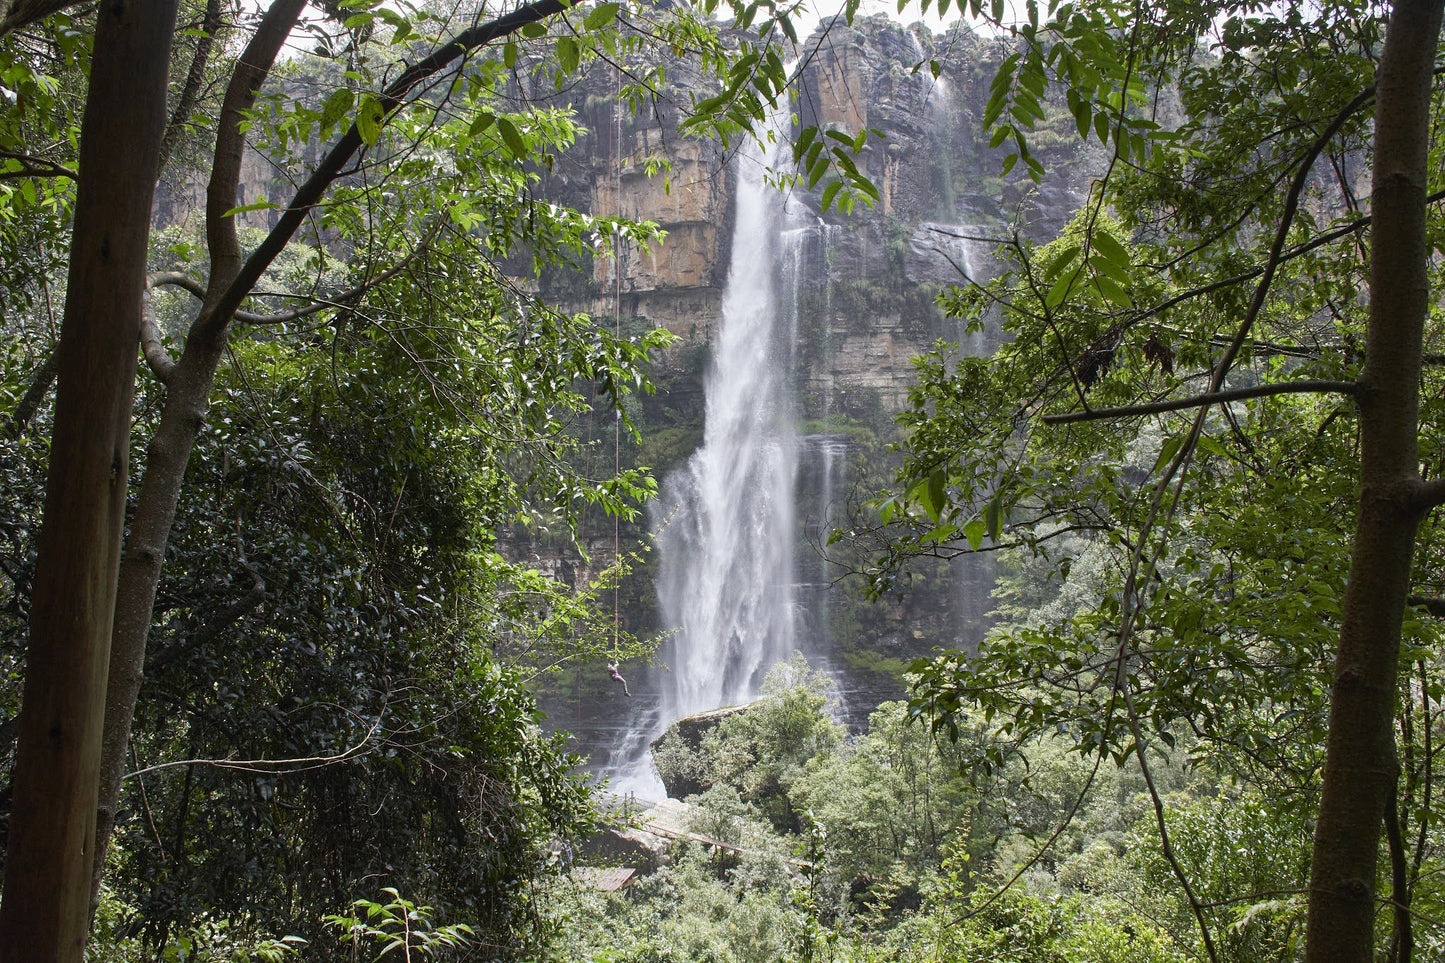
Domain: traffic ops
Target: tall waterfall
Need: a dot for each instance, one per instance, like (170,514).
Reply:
(724,522)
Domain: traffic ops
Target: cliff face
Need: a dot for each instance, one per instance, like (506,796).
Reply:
(869,278)
(863,288)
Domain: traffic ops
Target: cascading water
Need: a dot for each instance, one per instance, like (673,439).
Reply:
(725,520)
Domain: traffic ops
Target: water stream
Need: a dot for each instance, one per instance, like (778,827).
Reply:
(724,523)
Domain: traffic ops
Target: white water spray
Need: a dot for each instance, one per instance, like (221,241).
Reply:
(725,520)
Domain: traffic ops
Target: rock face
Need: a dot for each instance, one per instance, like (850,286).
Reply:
(870,276)
(687,734)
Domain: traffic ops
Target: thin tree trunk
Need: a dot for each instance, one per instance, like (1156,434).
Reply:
(191,89)
(34,397)
(1360,762)
(44,913)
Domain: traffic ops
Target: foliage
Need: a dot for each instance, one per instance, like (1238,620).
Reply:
(400,924)
(762,750)
(898,857)
(1174,571)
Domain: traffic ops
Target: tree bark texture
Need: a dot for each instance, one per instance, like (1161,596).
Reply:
(1360,761)
(44,913)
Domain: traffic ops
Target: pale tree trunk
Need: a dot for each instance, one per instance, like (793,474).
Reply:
(44,912)
(1360,765)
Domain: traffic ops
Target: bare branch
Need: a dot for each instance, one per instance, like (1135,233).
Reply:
(1200,401)
(15,14)
(191,90)
(309,194)
(270,765)
(31,166)
(213,627)
(1431,494)
(1433,604)
(347,297)
(187,283)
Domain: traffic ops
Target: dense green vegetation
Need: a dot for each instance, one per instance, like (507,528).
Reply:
(896,844)
(1204,727)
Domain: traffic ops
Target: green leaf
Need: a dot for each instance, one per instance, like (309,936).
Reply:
(601,16)
(568,54)
(1061,289)
(993,518)
(937,493)
(336,107)
(1059,262)
(974,531)
(512,138)
(1109,247)
(1112,291)
(369,118)
(484,120)
(533,30)
(829,193)
(262,205)
(509,54)
(1168,450)
(1211,446)
(1113,269)
(817,169)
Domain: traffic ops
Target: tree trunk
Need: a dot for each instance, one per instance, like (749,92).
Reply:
(189,385)
(44,913)
(1360,762)
(188,394)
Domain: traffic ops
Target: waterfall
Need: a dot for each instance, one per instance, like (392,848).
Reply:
(725,520)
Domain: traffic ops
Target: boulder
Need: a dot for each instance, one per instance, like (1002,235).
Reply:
(689,732)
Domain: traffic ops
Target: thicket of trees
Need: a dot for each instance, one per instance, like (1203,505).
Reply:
(1224,374)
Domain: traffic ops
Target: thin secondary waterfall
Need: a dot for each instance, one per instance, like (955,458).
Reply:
(725,526)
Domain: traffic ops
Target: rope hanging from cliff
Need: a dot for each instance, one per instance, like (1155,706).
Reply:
(617,266)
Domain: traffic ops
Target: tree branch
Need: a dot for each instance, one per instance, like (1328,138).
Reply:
(34,396)
(187,283)
(1433,604)
(1256,303)
(269,765)
(1200,401)
(31,166)
(15,14)
(1402,939)
(309,194)
(152,348)
(1352,226)
(213,627)
(191,90)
